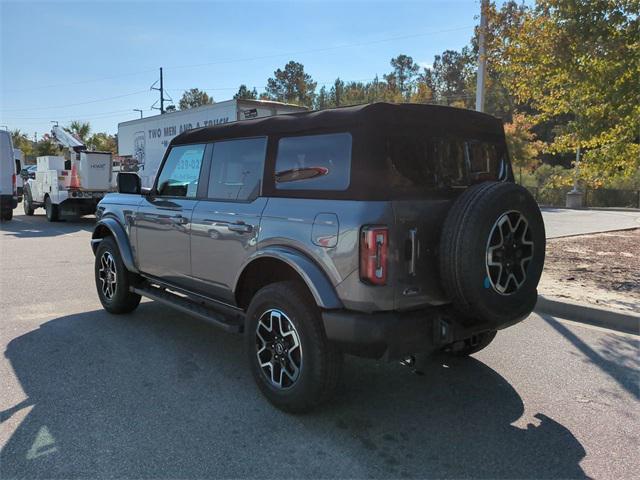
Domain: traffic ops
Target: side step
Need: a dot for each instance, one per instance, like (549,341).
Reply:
(188,306)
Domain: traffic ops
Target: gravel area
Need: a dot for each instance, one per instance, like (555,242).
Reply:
(601,269)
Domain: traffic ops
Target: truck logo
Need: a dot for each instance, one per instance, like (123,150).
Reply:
(100,166)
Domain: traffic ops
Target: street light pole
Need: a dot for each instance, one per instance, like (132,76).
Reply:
(482,56)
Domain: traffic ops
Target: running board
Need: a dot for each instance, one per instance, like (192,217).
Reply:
(188,306)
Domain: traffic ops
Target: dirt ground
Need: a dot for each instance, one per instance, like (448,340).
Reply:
(601,269)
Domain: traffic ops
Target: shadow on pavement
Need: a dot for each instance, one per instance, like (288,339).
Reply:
(38,226)
(156,395)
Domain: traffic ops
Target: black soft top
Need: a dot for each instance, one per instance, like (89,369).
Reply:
(393,118)
(371,127)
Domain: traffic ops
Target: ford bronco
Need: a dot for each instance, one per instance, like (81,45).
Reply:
(379,230)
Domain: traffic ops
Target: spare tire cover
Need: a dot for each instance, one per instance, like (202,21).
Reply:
(492,250)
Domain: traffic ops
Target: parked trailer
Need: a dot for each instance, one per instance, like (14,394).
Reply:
(145,140)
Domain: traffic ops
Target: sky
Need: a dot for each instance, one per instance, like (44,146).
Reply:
(95,61)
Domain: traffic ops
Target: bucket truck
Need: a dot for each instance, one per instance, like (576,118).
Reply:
(68,185)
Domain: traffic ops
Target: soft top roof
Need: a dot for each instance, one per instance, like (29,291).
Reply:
(393,118)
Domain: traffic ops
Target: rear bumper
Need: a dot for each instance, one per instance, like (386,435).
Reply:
(8,202)
(395,335)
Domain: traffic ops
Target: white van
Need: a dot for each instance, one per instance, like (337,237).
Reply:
(8,188)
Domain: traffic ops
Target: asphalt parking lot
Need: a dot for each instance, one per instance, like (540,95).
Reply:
(156,394)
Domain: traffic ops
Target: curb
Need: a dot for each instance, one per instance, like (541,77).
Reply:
(611,319)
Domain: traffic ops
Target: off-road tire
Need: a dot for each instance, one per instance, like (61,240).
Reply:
(463,254)
(27,202)
(53,214)
(321,361)
(122,299)
(470,346)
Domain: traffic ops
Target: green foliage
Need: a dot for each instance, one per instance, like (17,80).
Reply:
(447,78)
(523,145)
(47,146)
(103,142)
(405,70)
(194,98)
(291,85)
(22,142)
(578,63)
(245,94)
(80,130)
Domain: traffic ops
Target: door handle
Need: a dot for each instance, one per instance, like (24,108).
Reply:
(240,227)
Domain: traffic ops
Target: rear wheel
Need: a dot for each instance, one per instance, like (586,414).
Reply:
(113,280)
(7,215)
(27,203)
(290,358)
(51,210)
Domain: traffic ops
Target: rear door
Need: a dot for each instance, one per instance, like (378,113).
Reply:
(428,174)
(225,225)
(163,221)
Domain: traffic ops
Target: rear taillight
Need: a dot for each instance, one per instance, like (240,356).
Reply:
(14,184)
(374,245)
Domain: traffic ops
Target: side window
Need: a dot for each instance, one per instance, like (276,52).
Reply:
(411,160)
(180,172)
(314,162)
(236,169)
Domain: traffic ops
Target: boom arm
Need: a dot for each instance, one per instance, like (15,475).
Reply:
(67,140)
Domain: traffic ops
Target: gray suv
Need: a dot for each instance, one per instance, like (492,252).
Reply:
(383,231)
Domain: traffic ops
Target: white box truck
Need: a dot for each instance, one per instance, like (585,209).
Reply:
(68,186)
(8,186)
(145,140)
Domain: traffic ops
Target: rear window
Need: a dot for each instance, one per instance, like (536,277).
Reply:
(418,163)
(314,162)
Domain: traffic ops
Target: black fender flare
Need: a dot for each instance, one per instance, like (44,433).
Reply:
(122,240)
(311,274)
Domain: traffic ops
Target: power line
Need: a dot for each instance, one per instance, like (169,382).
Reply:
(97,100)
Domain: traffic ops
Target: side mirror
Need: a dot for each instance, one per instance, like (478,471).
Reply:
(129,183)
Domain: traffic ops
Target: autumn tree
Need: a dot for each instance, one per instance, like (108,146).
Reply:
(291,85)
(578,63)
(194,98)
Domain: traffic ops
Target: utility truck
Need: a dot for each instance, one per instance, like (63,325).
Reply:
(69,185)
(8,188)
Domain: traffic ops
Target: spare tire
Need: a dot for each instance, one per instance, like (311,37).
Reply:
(492,251)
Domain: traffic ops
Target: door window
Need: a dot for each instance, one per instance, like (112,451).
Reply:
(180,172)
(236,169)
(314,162)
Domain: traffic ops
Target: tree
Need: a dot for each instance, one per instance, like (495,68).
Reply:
(47,146)
(291,85)
(446,78)
(103,142)
(22,142)
(581,61)
(80,130)
(245,94)
(170,108)
(404,72)
(524,147)
(194,98)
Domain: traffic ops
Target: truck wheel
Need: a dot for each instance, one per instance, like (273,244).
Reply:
(7,215)
(113,279)
(51,210)
(292,362)
(27,203)
(472,345)
(492,251)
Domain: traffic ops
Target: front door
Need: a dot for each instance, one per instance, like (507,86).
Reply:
(163,221)
(225,225)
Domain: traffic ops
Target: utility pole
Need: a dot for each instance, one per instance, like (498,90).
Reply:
(138,110)
(161,90)
(482,56)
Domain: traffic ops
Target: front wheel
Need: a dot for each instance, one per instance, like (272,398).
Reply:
(27,203)
(291,360)
(113,280)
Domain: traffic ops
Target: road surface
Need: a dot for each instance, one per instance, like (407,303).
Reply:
(155,394)
(561,222)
